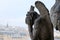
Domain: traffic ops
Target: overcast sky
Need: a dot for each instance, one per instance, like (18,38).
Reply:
(13,11)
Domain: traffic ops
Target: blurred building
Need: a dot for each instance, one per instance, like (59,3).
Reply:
(13,33)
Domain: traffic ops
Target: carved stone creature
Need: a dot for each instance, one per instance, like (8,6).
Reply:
(55,15)
(30,18)
(43,28)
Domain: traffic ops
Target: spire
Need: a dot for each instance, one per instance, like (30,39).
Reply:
(7,25)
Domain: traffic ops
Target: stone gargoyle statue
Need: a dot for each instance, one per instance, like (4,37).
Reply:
(39,25)
(55,15)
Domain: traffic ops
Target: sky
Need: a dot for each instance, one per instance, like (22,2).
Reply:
(13,12)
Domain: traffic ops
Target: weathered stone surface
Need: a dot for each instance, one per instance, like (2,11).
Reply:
(55,15)
(43,28)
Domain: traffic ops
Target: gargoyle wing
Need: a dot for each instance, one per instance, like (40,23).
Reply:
(41,8)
